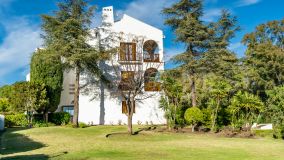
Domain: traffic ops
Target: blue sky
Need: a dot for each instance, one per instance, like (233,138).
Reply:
(20,25)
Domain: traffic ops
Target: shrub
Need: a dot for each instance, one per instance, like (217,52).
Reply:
(60,118)
(83,125)
(42,123)
(278,132)
(16,120)
(264,133)
(193,116)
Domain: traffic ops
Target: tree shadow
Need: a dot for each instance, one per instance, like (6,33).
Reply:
(12,142)
(27,157)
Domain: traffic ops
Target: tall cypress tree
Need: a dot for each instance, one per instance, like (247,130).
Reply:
(67,33)
(184,18)
(48,71)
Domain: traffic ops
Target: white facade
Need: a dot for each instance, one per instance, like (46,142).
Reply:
(97,103)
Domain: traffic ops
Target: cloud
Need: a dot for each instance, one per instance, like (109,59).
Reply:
(211,14)
(21,41)
(242,3)
(148,11)
(172,51)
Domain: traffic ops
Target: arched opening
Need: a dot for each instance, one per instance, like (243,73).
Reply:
(151,78)
(151,51)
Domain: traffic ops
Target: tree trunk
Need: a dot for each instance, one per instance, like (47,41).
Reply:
(76,97)
(130,124)
(130,115)
(192,128)
(193,92)
(45,116)
(215,115)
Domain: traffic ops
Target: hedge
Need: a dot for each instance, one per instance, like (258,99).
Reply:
(57,118)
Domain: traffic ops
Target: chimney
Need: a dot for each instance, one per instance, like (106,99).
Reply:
(108,17)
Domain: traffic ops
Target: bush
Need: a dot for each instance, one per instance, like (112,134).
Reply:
(264,133)
(16,120)
(193,116)
(60,118)
(278,132)
(83,125)
(42,124)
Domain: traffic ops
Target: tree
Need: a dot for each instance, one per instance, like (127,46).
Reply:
(218,90)
(171,102)
(35,99)
(48,71)
(275,107)
(219,59)
(184,18)
(4,105)
(67,33)
(245,108)
(134,81)
(265,56)
(193,116)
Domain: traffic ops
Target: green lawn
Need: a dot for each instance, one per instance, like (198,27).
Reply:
(91,143)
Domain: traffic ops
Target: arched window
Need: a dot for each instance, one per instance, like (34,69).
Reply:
(151,80)
(151,51)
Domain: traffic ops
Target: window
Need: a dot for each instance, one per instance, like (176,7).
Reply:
(127,52)
(68,109)
(127,80)
(124,107)
(151,51)
(151,78)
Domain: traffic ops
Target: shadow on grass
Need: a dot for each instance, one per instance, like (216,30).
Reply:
(151,128)
(12,142)
(27,157)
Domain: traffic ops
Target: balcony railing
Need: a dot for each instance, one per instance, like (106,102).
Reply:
(152,86)
(129,59)
(151,58)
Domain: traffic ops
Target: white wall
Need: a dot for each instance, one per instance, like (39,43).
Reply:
(97,104)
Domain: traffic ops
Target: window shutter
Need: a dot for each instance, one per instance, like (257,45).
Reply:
(122,51)
(134,51)
(124,107)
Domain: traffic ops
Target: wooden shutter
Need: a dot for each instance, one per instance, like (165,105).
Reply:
(133,51)
(124,107)
(122,50)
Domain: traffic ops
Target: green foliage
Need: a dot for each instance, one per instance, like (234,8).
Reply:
(83,125)
(4,105)
(66,34)
(193,116)
(48,71)
(60,118)
(172,103)
(265,57)
(264,133)
(42,123)
(275,108)
(218,90)
(16,120)
(245,108)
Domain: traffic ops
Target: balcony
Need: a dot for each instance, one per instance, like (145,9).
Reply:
(152,86)
(151,58)
(129,59)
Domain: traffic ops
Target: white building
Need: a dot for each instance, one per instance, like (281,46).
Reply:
(99,105)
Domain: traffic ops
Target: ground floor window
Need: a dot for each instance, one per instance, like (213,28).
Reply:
(124,107)
(68,109)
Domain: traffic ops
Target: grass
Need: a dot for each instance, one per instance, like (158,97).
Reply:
(91,143)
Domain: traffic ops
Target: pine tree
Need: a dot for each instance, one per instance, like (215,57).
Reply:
(184,18)
(67,33)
